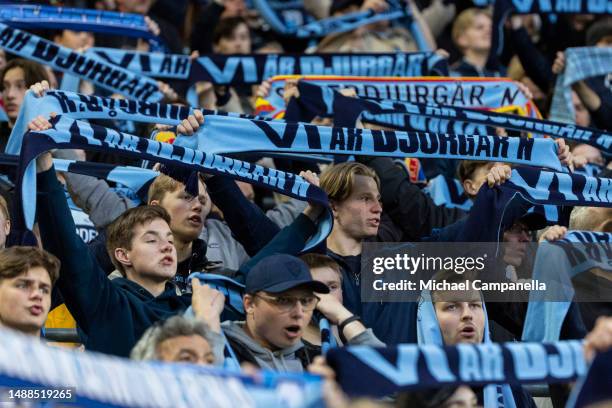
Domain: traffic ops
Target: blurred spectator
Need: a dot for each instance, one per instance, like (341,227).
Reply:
(15,79)
(27,276)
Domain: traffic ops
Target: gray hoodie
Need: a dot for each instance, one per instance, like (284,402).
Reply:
(283,360)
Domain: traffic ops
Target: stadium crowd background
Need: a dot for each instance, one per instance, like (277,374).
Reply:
(121,279)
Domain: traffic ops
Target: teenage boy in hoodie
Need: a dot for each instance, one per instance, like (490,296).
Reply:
(461,317)
(279,301)
(114,314)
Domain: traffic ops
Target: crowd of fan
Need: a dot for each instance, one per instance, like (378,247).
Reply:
(127,286)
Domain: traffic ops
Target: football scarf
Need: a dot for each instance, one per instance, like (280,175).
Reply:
(503,8)
(318,101)
(68,133)
(330,25)
(159,384)
(89,68)
(577,252)
(503,205)
(491,93)
(254,68)
(231,135)
(448,192)
(81,106)
(77,19)
(377,372)
(580,63)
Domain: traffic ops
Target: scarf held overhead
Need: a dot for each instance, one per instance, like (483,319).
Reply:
(89,68)
(316,101)
(79,106)
(68,133)
(77,19)
(253,69)
(580,63)
(231,135)
(503,8)
(491,93)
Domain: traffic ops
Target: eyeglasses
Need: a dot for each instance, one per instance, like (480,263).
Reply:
(286,303)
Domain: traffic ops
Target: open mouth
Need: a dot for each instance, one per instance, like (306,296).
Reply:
(167,260)
(468,332)
(36,310)
(293,331)
(195,220)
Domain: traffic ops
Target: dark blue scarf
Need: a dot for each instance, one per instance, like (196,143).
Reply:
(90,68)
(503,8)
(315,100)
(377,372)
(77,19)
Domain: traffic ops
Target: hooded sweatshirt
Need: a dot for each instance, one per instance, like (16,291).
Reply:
(289,359)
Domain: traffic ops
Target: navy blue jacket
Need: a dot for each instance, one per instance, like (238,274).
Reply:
(114,314)
(392,322)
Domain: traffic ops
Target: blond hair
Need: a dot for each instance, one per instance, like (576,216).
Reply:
(464,20)
(338,180)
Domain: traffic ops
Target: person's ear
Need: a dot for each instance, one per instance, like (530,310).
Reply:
(154,202)
(462,42)
(122,256)
(249,304)
(334,207)
(7,227)
(470,187)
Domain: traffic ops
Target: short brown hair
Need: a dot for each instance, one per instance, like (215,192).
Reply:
(120,232)
(466,168)
(161,186)
(33,72)
(4,208)
(464,20)
(338,180)
(17,260)
(314,260)
(226,26)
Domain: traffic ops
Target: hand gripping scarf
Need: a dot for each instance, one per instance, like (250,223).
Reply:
(502,205)
(76,19)
(315,100)
(377,372)
(558,262)
(340,24)
(580,63)
(81,106)
(90,68)
(491,93)
(159,385)
(68,133)
(231,135)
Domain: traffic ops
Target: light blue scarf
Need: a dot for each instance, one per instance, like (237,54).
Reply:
(68,133)
(231,135)
(580,63)
(585,250)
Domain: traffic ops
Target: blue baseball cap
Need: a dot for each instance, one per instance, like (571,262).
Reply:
(278,273)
